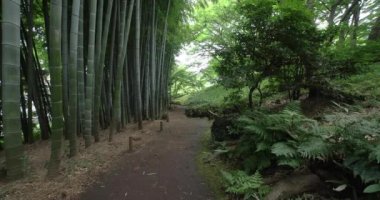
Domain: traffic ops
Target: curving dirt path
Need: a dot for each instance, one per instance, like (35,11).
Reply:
(164,169)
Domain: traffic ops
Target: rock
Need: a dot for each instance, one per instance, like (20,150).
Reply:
(220,128)
(293,185)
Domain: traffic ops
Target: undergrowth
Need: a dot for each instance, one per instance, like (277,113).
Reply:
(288,138)
(240,184)
(367,83)
(212,96)
(210,166)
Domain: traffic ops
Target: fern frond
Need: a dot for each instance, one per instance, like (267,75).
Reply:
(257,130)
(240,183)
(294,106)
(375,154)
(291,162)
(283,149)
(263,146)
(314,148)
(370,174)
(257,161)
(245,120)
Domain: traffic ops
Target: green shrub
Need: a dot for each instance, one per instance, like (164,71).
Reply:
(240,184)
(346,140)
(356,142)
(285,138)
(367,83)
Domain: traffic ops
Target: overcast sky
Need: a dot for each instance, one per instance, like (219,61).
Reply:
(194,61)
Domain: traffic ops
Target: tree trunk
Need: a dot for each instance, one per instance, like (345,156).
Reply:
(355,24)
(137,69)
(314,92)
(123,39)
(153,63)
(30,73)
(99,72)
(65,61)
(90,74)
(375,31)
(14,151)
(81,74)
(56,87)
(73,79)
(250,95)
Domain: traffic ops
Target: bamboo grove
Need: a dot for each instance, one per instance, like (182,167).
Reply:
(108,63)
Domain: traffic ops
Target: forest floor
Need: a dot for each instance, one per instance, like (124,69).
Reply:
(162,166)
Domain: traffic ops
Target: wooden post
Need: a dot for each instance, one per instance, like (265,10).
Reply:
(161,126)
(130,144)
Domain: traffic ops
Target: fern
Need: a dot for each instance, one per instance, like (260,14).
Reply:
(291,162)
(257,130)
(275,137)
(283,149)
(241,184)
(314,148)
(375,154)
(349,140)
(245,120)
(263,146)
(294,106)
(257,161)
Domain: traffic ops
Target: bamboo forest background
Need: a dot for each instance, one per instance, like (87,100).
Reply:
(75,67)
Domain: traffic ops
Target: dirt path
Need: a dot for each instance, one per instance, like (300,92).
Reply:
(165,169)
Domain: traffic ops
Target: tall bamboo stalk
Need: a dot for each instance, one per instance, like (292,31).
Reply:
(137,66)
(56,86)
(81,84)
(10,49)
(65,61)
(99,71)
(73,79)
(123,35)
(90,74)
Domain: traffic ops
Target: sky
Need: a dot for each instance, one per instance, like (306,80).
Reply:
(194,61)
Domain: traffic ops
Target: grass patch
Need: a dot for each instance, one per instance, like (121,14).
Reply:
(210,168)
(367,84)
(212,96)
(182,100)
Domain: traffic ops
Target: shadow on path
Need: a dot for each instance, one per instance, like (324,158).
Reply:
(164,169)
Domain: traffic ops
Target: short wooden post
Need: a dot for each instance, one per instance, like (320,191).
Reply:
(161,126)
(130,144)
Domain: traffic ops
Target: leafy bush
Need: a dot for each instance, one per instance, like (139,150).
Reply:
(356,142)
(367,83)
(212,96)
(240,184)
(349,142)
(284,138)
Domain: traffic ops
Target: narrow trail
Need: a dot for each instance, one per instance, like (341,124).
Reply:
(164,169)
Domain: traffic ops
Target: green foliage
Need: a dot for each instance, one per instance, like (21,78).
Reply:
(296,44)
(239,183)
(209,167)
(211,96)
(366,83)
(356,139)
(284,138)
(289,138)
(372,188)
(275,40)
(184,82)
(283,149)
